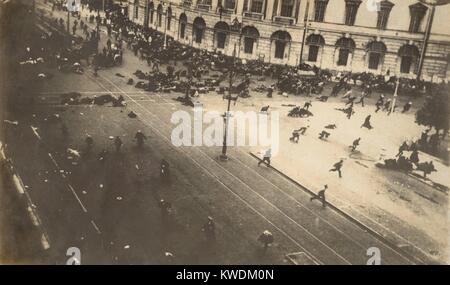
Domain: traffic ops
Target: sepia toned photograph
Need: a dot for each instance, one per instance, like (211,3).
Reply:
(224,132)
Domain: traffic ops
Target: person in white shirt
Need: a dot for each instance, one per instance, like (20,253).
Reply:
(266,158)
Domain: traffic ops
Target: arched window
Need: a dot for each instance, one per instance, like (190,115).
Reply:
(280,39)
(375,51)
(159,12)
(221,31)
(250,35)
(169,18)
(183,24)
(198,29)
(408,56)
(136,9)
(151,10)
(314,42)
(345,46)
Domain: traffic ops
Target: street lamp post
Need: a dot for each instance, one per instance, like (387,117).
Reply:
(98,27)
(395,95)
(68,19)
(165,30)
(226,116)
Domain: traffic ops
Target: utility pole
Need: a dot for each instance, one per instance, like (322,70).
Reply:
(68,19)
(425,41)
(188,88)
(226,116)
(433,4)
(305,30)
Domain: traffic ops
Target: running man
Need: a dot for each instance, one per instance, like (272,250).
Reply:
(337,167)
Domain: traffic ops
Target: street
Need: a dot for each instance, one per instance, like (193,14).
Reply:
(107,202)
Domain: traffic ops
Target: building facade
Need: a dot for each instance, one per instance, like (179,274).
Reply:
(360,35)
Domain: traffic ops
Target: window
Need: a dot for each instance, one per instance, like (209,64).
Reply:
(250,35)
(320,6)
(279,49)
(148,13)
(248,45)
(151,11)
(257,6)
(417,12)
(169,18)
(198,26)
(198,35)
(287,6)
(374,60)
(383,14)
(314,42)
(345,48)
(406,63)
(281,39)
(313,53)
(230,4)
(408,55)
(182,30)
(136,9)
(343,57)
(221,30)
(351,8)
(375,52)
(182,26)
(221,37)
(159,16)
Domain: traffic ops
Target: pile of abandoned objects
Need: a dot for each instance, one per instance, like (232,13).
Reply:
(300,112)
(74,98)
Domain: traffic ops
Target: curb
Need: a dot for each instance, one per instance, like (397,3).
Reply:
(349,217)
(22,192)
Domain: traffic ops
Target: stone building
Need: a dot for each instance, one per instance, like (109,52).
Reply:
(359,35)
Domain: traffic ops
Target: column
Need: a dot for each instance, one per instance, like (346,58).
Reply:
(239,7)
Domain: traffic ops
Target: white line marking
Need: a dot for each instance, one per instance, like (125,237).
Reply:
(53,160)
(35,132)
(76,196)
(95,227)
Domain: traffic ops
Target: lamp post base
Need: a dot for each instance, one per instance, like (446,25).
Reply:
(223,157)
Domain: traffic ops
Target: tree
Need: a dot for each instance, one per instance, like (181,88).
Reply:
(435,110)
